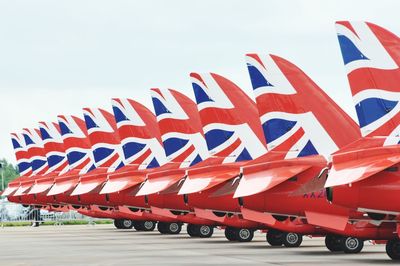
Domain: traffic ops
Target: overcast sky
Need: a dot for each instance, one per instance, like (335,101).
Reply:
(59,56)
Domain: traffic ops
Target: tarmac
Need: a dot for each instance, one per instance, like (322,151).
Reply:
(105,245)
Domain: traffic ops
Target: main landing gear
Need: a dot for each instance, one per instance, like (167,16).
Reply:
(239,234)
(123,223)
(202,231)
(278,238)
(146,226)
(138,225)
(169,228)
(349,245)
(393,249)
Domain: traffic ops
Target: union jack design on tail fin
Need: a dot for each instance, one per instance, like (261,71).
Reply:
(180,127)
(21,155)
(139,134)
(35,151)
(296,115)
(54,147)
(371,56)
(104,138)
(76,143)
(229,118)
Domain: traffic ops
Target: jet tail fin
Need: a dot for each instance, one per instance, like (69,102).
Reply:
(371,55)
(296,115)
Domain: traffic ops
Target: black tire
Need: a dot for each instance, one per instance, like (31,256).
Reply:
(352,245)
(205,231)
(138,225)
(229,234)
(334,243)
(126,224)
(145,226)
(149,226)
(192,230)
(244,234)
(173,228)
(292,240)
(117,223)
(393,249)
(162,227)
(275,237)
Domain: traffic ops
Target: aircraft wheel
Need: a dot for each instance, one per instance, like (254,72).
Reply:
(118,223)
(244,235)
(162,228)
(333,243)
(145,226)
(126,224)
(393,249)
(205,231)
(173,228)
(191,230)
(352,245)
(275,237)
(230,234)
(292,240)
(149,226)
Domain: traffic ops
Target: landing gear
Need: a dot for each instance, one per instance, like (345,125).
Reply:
(393,249)
(162,228)
(275,237)
(244,235)
(191,230)
(206,231)
(239,234)
(202,231)
(145,226)
(349,245)
(229,234)
(352,245)
(333,243)
(292,240)
(123,224)
(169,228)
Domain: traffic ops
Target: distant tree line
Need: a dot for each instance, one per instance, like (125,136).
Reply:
(9,171)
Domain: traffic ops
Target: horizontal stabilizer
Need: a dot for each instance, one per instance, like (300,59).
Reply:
(355,166)
(119,184)
(201,182)
(40,187)
(22,190)
(9,190)
(253,182)
(155,185)
(89,183)
(61,187)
